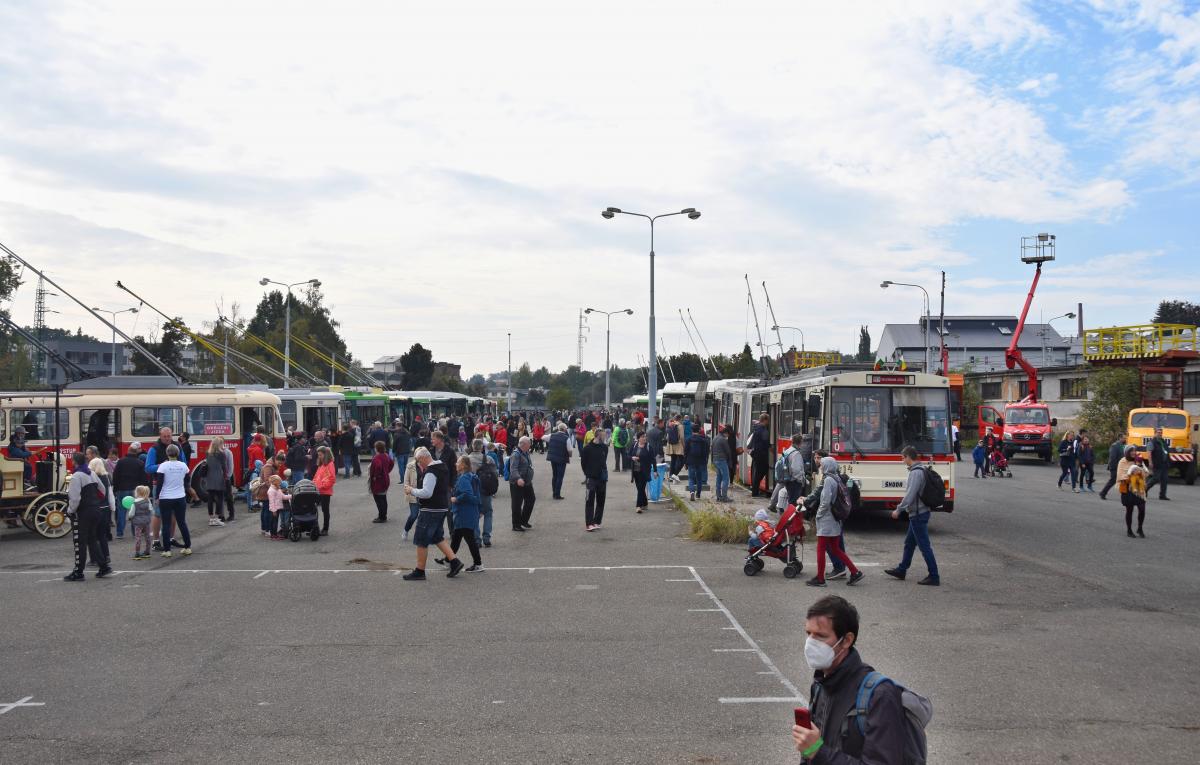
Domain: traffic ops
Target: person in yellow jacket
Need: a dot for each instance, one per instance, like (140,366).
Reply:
(1131,481)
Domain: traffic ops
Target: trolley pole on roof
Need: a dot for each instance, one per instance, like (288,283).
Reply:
(111,325)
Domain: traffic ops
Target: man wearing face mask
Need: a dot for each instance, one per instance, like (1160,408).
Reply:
(838,673)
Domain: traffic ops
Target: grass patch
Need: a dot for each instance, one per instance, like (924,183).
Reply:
(714,524)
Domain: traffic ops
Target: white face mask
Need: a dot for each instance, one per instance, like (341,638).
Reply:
(819,654)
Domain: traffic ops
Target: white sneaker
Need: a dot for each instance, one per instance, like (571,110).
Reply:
(166,553)
(187,551)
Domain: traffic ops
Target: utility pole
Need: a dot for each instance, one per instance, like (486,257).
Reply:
(581,340)
(39,330)
(225,373)
(942,331)
(508,397)
(332,366)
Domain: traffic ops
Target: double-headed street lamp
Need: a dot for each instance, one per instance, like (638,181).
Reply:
(287,323)
(113,314)
(888,283)
(607,348)
(652,372)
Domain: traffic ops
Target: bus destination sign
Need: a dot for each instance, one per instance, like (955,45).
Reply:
(891,379)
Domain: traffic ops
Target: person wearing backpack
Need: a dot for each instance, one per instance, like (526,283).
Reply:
(834,508)
(485,469)
(675,448)
(915,504)
(620,442)
(857,715)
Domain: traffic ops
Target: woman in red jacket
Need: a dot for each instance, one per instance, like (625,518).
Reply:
(325,478)
(501,438)
(539,431)
(254,454)
(379,479)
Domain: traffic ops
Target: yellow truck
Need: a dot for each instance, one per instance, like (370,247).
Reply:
(1178,430)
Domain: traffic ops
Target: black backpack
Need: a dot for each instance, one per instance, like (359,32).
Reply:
(933,493)
(841,505)
(489,477)
(672,434)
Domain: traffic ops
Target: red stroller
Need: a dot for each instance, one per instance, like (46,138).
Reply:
(1000,464)
(781,545)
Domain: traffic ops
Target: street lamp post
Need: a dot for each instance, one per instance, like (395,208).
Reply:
(652,372)
(778,327)
(888,283)
(607,349)
(113,314)
(1046,323)
(287,323)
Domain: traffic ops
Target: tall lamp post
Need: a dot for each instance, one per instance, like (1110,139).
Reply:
(1046,323)
(778,327)
(652,372)
(889,283)
(287,323)
(113,314)
(607,349)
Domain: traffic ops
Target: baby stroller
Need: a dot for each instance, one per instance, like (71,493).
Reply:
(781,544)
(303,517)
(999,464)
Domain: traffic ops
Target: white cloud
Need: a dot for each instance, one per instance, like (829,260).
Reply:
(461,153)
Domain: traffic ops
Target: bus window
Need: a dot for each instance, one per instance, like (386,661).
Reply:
(258,417)
(3,430)
(287,411)
(100,428)
(856,420)
(39,423)
(147,421)
(210,420)
(921,417)
(798,412)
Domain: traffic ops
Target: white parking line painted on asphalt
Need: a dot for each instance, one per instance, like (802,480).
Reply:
(261,574)
(25,702)
(704,610)
(765,700)
(766,660)
(735,650)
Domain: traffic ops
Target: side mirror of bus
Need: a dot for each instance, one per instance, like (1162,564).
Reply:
(1054,422)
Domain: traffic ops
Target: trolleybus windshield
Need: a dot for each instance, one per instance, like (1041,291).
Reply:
(883,420)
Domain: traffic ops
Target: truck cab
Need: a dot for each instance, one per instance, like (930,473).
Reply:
(1178,430)
(1024,428)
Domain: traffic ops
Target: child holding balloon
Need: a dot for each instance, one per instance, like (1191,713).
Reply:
(139,513)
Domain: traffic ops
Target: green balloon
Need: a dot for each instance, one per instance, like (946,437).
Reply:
(127,503)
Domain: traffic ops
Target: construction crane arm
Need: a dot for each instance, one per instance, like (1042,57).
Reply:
(1013,356)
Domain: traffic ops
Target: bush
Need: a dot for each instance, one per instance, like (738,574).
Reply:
(713,524)
(1115,390)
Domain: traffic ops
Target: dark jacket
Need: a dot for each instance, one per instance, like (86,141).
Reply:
(696,450)
(128,474)
(722,451)
(402,442)
(1115,453)
(595,461)
(645,462)
(345,443)
(557,450)
(760,440)
(297,457)
(378,434)
(835,698)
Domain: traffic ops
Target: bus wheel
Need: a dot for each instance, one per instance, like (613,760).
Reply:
(48,515)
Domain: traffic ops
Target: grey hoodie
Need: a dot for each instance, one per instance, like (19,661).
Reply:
(827,525)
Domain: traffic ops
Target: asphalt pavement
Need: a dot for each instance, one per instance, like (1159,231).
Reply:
(1054,638)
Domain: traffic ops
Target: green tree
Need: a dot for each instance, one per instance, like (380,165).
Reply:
(687,367)
(311,323)
(523,377)
(560,398)
(169,350)
(1178,312)
(536,397)
(542,378)
(418,367)
(1115,390)
(971,399)
(16,369)
(864,345)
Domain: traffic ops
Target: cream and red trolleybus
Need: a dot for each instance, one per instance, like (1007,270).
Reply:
(863,417)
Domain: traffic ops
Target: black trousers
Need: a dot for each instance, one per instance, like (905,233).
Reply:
(381,504)
(759,469)
(229,501)
(324,500)
(1087,474)
(676,463)
(89,539)
(639,479)
(356,463)
(618,459)
(522,503)
(1112,481)
(1159,477)
(1131,501)
(456,539)
(593,508)
(216,503)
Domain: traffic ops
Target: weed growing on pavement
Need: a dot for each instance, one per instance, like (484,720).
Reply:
(714,524)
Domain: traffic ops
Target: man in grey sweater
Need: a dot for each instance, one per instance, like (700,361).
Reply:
(520,485)
(918,521)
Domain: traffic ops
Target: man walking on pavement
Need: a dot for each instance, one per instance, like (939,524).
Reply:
(1115,453)
(760,452)
(918,521)
(520,485)
(434,498)
(620,442)
(1160,464)
(558,454)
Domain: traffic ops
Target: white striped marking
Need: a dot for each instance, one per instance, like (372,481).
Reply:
(765,700)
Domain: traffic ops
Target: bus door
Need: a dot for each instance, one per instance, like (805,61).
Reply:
(100,428)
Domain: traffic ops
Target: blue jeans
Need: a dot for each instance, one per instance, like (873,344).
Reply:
(918,536)
(347,463)
(722,487)
(697,477)
(297,475)
(1068,468)
(558,471)
(401,463)
(174,509)
(413,511)
(121,511)
(485,519)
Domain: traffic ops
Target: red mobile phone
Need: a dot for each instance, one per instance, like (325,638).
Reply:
(803,717)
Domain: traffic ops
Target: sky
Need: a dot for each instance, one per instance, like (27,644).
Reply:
(441,167)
